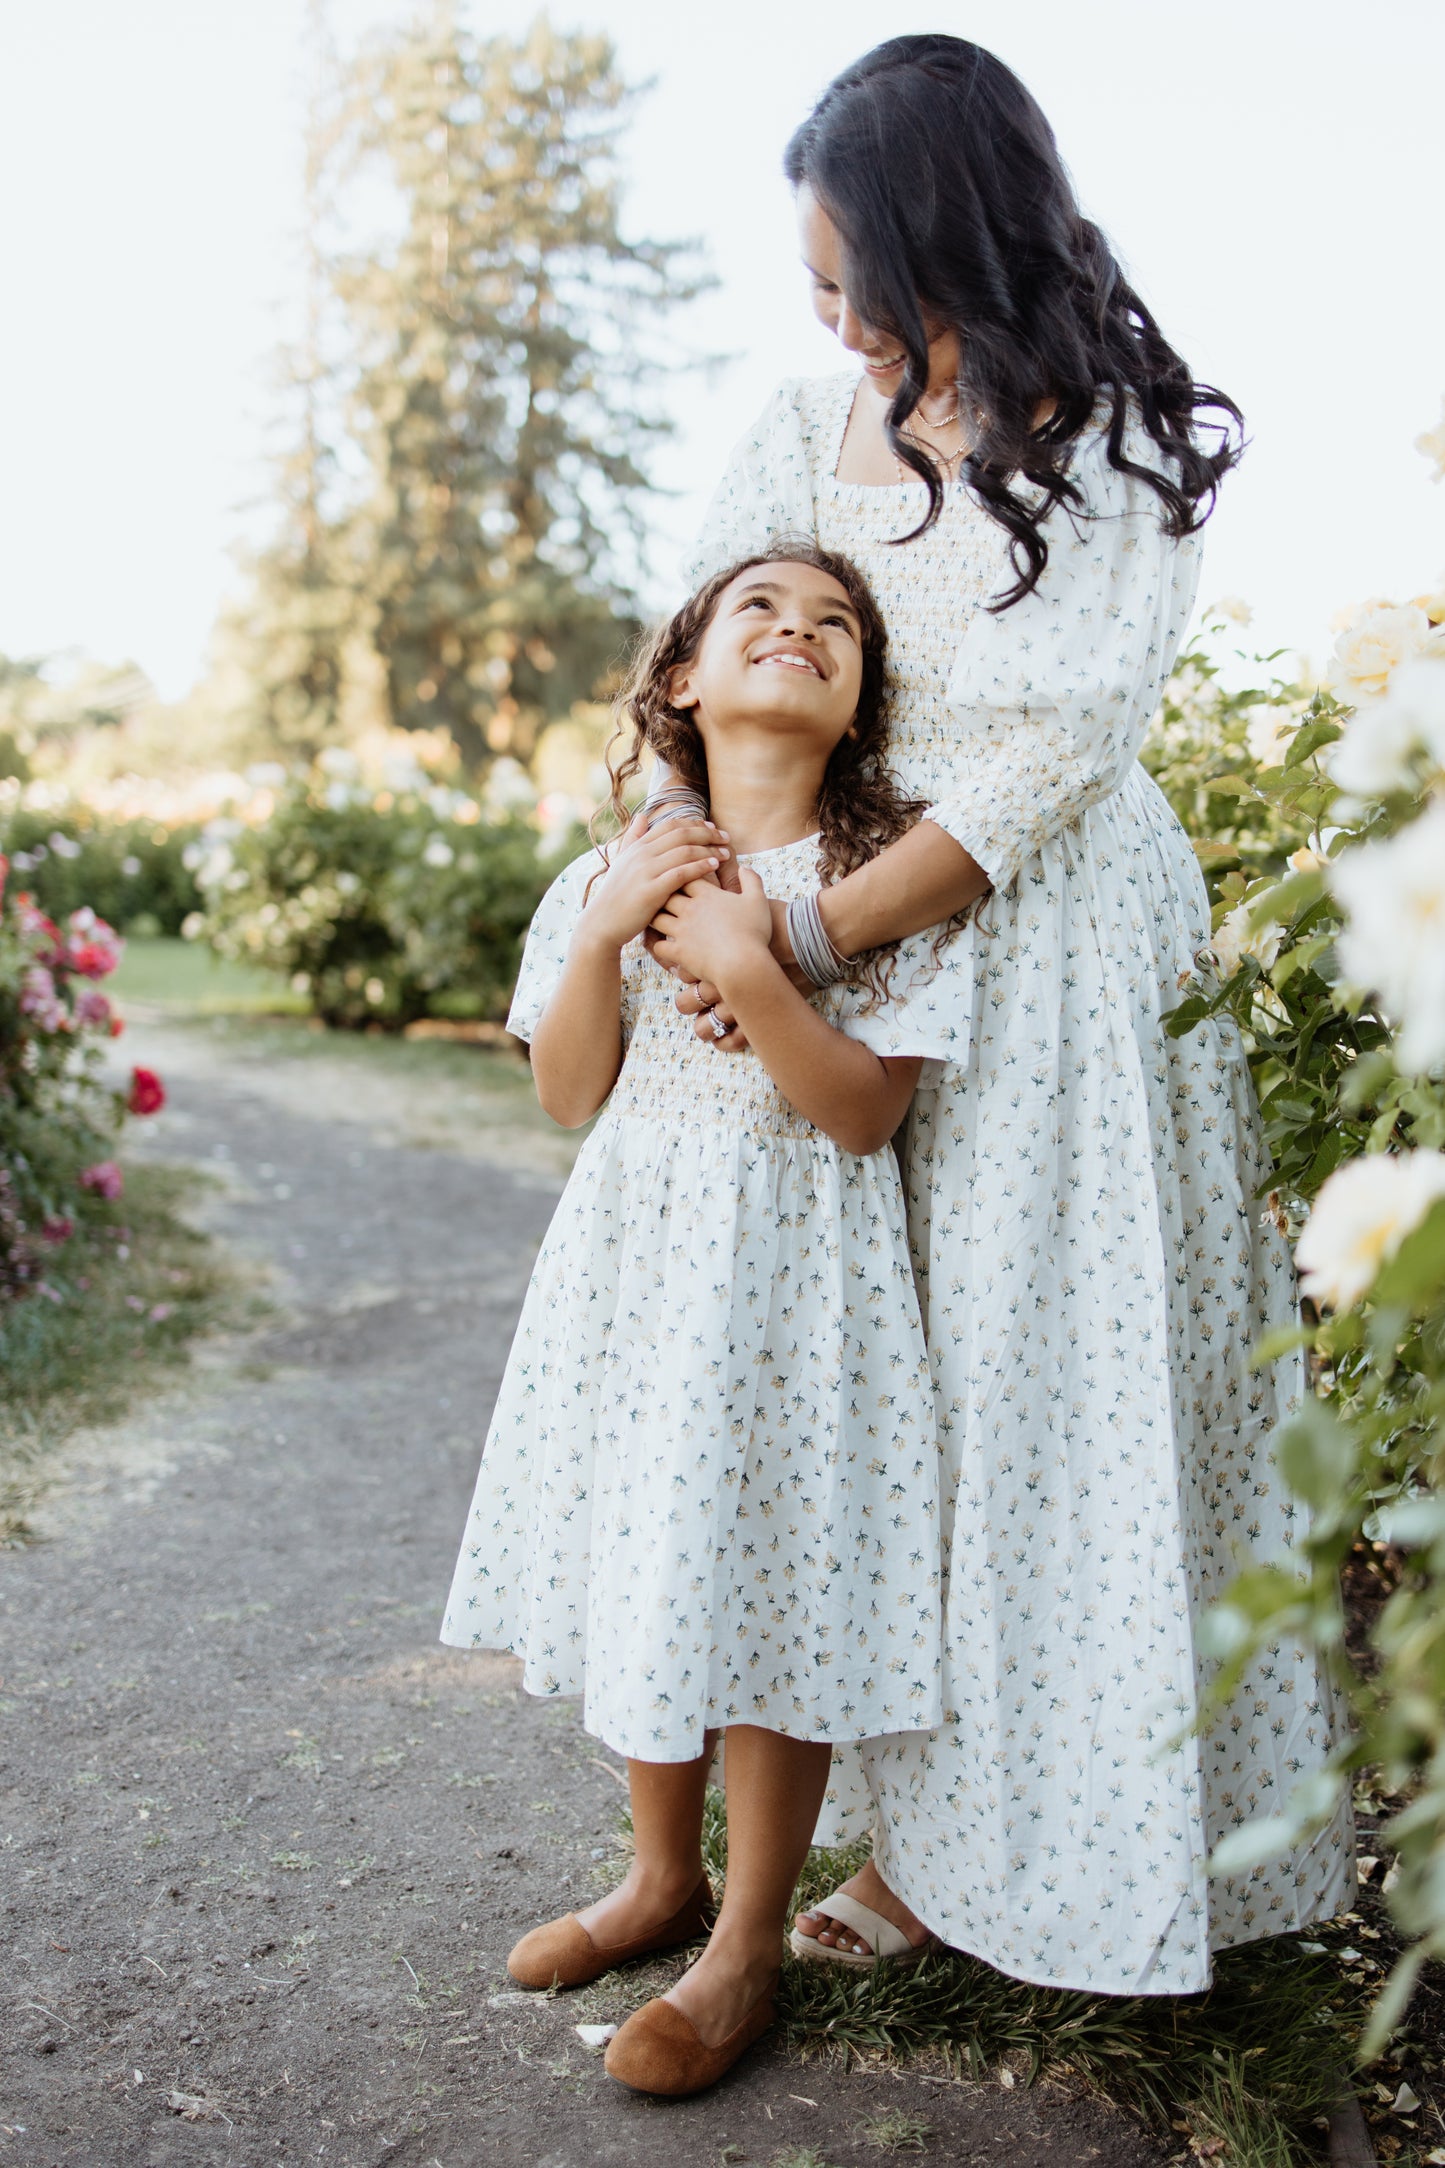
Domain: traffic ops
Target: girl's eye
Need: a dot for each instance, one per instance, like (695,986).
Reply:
(845,622)
(756,602)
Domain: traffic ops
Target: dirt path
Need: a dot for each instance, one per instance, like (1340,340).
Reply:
(265,1843)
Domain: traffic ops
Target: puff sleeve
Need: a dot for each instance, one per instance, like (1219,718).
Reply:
(1056,693)
(545,954)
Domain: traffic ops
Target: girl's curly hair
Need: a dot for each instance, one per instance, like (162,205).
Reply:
(860,807)
(861,810)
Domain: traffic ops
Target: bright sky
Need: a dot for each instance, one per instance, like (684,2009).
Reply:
(1269,170)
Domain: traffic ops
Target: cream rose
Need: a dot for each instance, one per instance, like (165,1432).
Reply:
(1374,642)
(1393,940)
(1432,443)
(1234,938)
(1269,733)
(1380,741)
(1360,1217)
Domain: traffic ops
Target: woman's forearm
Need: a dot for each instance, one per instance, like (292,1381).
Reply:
(577,1046)
(919,881)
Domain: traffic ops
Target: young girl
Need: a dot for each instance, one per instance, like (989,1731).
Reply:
(709,1500)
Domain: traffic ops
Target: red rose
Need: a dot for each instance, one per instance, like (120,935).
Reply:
(147,1093)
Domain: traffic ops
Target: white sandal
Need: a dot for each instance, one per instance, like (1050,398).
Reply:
(885,1941)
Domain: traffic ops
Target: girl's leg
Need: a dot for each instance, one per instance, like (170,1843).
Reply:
(667,1801)
(775,1788)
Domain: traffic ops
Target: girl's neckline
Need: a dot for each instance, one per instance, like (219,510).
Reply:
(774,850)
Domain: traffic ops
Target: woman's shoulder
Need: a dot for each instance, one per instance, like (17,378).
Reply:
(807,407)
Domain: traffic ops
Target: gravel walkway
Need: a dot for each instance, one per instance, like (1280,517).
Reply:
(266,1844)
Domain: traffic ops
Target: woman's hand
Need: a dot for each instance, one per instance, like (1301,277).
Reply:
(645,867)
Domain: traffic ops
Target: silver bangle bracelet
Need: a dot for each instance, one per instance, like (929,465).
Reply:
(820,963)
(676,803)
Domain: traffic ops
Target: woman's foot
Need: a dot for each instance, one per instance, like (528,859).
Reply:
(716,1993)
(869,1888)
(632,1922)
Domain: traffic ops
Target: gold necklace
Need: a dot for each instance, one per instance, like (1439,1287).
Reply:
(947,460)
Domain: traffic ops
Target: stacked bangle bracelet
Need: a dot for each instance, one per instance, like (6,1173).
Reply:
(817,959)
(675,802)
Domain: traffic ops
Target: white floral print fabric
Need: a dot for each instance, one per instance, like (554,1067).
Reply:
(1092,1262)
(710,1488)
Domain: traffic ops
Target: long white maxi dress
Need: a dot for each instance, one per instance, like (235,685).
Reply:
(1091,1257)
(710,1490)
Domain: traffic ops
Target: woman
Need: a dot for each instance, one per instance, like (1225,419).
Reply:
(1021,473)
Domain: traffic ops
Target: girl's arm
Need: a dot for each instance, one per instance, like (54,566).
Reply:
(853,1095)
(577,1044)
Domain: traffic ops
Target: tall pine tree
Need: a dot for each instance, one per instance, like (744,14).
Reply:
(505,348)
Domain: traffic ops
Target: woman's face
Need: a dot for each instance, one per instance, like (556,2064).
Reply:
(880,353)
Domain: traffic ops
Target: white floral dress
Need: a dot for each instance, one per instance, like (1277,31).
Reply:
(710,1489)
(1091,1257)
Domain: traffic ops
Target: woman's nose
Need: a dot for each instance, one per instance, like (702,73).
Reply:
(852,331)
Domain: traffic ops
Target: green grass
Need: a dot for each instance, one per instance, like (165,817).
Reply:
(121,1323)
(1254,2061)
(185,978)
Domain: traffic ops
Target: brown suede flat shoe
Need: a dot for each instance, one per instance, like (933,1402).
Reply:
(660,2051)
(563,1954)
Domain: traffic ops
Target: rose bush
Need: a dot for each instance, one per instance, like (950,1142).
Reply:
(58,1117)
(69,855)
(1320,822)
(382,901)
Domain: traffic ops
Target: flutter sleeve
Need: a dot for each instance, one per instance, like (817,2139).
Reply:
(927,1009)
(1063,684)
(548,936)
(766,492)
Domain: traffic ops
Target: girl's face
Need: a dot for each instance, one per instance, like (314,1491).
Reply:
(782,651)
(880,353)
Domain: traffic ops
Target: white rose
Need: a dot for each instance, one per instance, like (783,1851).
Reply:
(1234,938)
(1374,755)
(1432,602)
(1360,1217)
(1374,642)
(1393,941)
(1269,734)
(1234,609)
(1432,443)
(438,852)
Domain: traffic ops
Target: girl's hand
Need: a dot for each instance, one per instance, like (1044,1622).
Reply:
(713,932)
(645,866)
(703,1001)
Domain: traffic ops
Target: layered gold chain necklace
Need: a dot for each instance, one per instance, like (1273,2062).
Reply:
(949,461)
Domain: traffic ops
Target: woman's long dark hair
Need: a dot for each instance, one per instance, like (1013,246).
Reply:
(954,208)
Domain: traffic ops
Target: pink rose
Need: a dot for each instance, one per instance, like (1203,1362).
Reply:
(105,1178)
(92,1010)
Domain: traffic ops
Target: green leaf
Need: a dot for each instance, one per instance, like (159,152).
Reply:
(1318,1456)
(1310,739)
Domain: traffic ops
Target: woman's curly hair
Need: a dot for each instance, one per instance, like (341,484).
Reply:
(861,809)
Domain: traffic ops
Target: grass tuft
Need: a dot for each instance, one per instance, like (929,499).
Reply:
(896,2130)
(127,1313)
